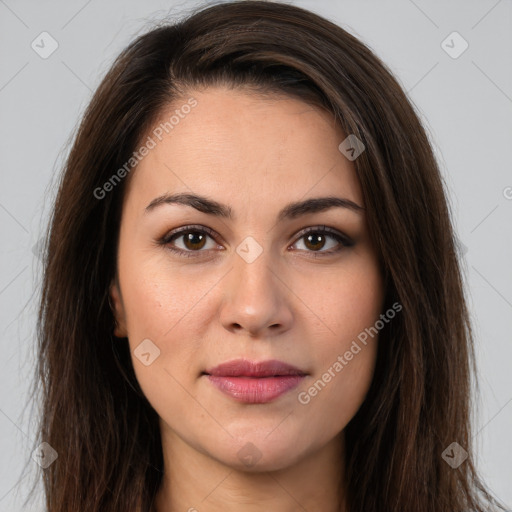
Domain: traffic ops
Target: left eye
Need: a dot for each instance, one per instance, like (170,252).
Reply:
(194,239)
(315,240)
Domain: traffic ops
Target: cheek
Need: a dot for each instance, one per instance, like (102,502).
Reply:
(161,319)
(333,397)
(345,349)
(160,299)
(167,314)
(343,301)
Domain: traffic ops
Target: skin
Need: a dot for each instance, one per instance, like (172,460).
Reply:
(255,154)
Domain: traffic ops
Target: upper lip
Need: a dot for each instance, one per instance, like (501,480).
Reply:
(245,368)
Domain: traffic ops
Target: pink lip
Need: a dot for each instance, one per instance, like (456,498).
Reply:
(255,383)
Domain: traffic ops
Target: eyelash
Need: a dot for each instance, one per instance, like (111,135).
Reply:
(323,230)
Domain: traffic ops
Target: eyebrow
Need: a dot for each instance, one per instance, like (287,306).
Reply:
(290,211)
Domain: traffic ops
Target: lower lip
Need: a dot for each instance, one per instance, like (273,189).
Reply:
(256,390)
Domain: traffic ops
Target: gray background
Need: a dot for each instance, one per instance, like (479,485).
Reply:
(465,104)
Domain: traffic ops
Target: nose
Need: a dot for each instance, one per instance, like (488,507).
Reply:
(255,299)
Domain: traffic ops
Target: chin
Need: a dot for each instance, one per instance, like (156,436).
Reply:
(254,454)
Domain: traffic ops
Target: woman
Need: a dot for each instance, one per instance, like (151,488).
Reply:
(252,299)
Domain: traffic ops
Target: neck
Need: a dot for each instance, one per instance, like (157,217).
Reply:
(195,482)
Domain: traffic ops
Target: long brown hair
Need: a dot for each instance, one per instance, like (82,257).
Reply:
(94,413)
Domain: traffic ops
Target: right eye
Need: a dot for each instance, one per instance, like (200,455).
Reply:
(193,239)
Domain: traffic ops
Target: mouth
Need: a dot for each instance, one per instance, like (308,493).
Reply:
(255,382)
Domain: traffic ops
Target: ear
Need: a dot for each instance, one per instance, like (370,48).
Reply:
(116,304)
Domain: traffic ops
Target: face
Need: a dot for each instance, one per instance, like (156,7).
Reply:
(248,279)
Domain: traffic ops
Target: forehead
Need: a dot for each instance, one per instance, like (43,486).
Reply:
(235,145)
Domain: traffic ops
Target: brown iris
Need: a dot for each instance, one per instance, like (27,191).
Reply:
(194,240)
(315,246)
